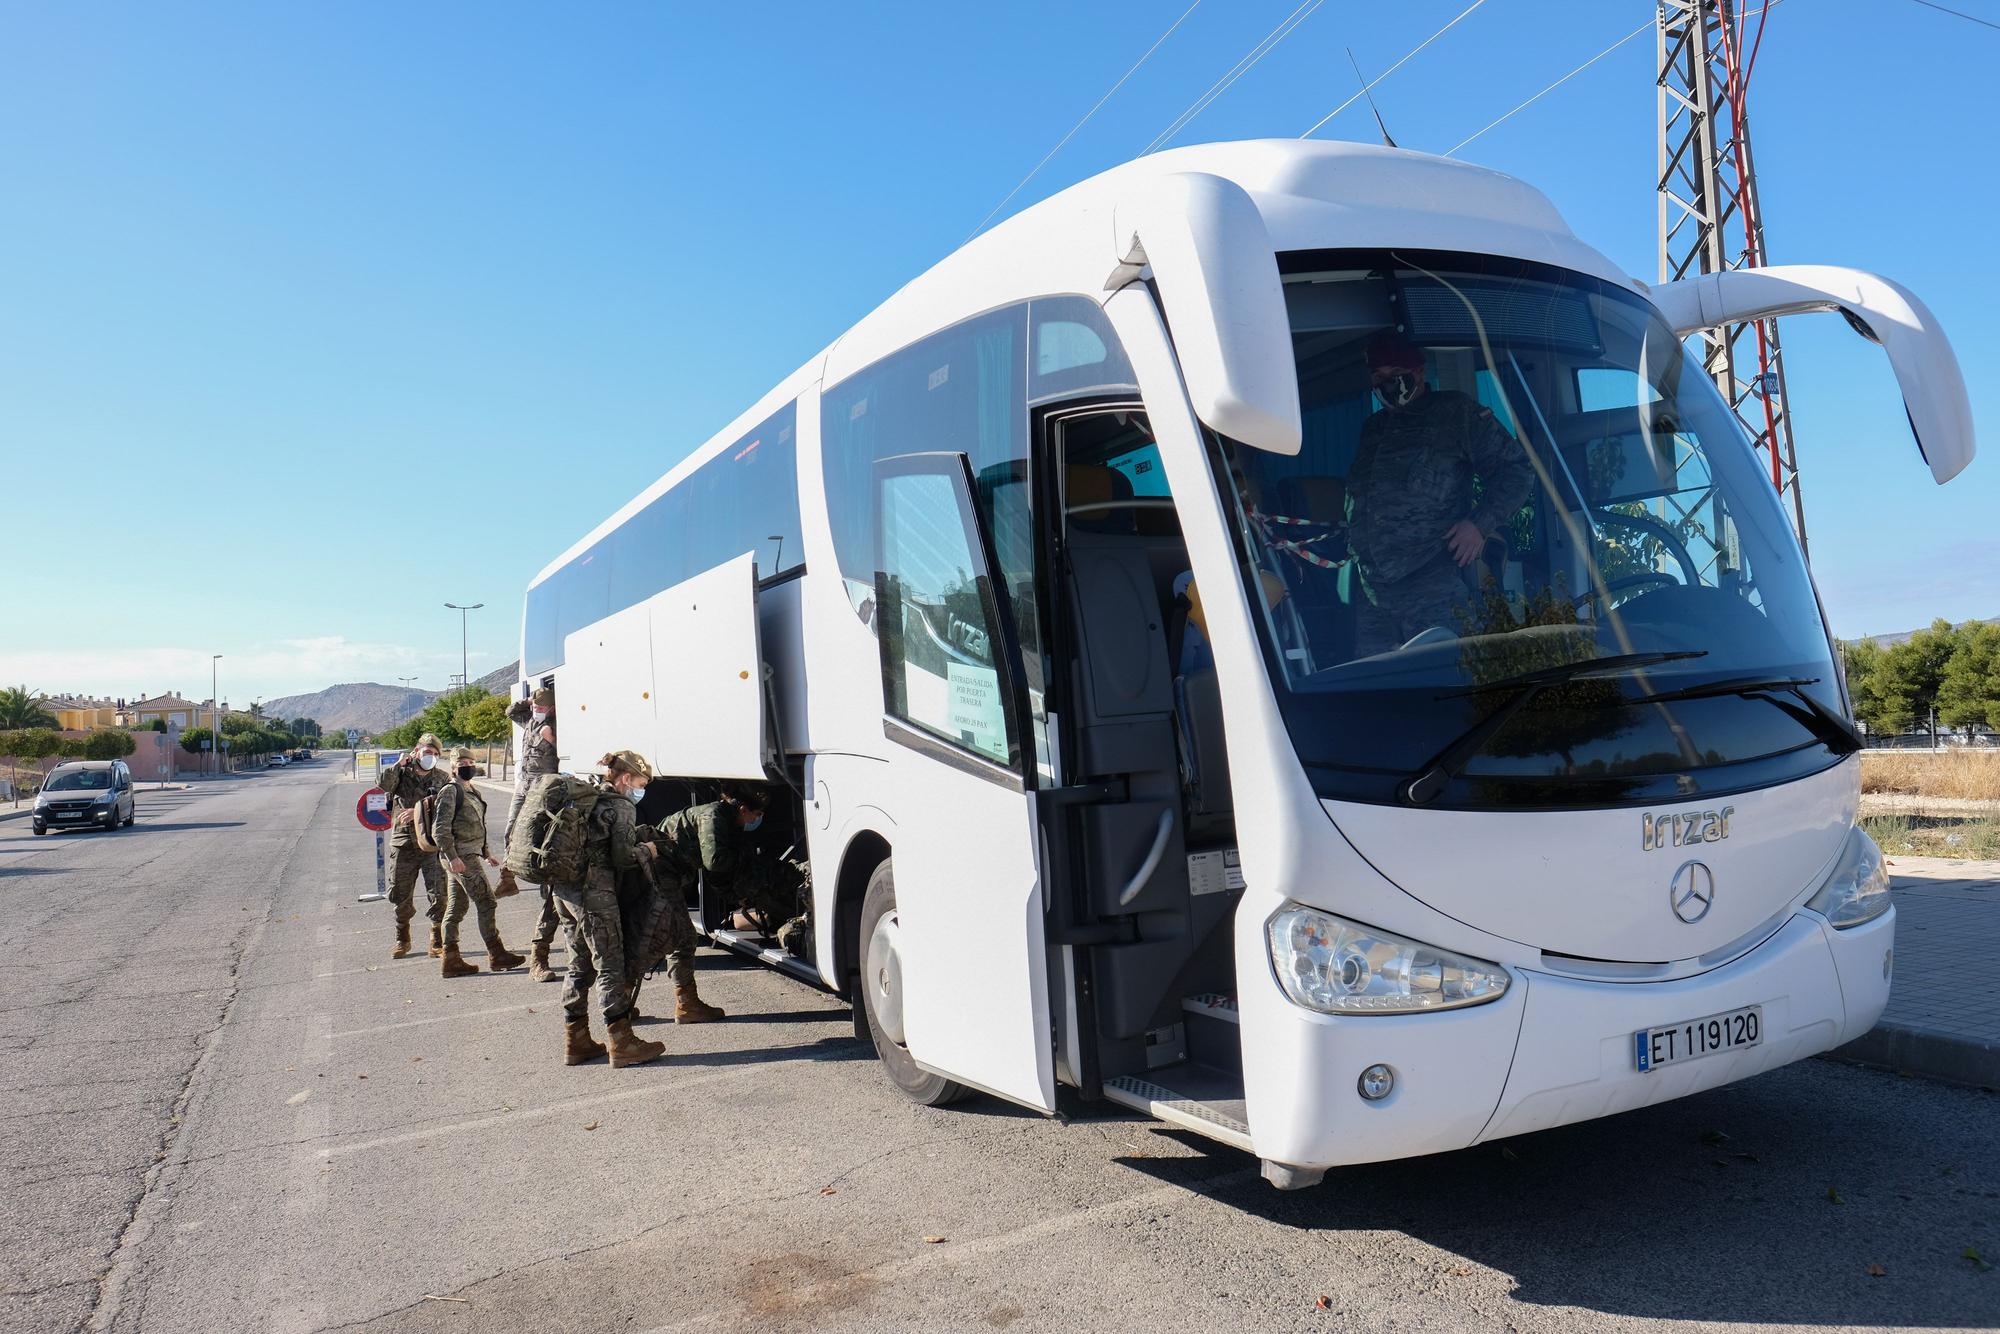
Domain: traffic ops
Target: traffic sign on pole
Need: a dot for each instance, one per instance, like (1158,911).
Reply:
(372,811)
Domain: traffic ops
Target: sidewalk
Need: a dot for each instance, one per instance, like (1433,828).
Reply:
(1943,1018)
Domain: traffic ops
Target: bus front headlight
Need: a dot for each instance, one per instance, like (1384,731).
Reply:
(1335,966)
(1858,889)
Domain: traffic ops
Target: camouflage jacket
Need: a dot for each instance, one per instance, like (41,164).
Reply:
(537,756)
(1412,480)
(461,822)
(407,785)
(700,838)
(613,839)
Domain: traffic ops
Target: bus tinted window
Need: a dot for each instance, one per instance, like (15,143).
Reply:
(744,499)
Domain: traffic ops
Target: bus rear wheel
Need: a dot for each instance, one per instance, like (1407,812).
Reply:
(882,1000)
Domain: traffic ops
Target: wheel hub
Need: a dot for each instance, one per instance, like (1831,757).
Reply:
(883,975)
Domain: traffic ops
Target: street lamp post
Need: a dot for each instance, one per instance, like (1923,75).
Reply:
(464,674)
(214,718)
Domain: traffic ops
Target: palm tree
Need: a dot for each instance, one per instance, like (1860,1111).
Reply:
(18,708)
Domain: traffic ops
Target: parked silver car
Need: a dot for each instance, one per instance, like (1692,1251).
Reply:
(86,792)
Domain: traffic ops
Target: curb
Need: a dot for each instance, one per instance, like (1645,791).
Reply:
(1945,1057)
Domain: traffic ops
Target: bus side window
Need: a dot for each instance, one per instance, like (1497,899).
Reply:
(936,616)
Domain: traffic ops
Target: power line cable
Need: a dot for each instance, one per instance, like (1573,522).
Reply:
(1288,25)
(1086,117)
(1643,27)
(1969,18)
(1392,69)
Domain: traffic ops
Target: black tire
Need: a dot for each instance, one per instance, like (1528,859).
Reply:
(133,818)
(40,831)
(918,1085)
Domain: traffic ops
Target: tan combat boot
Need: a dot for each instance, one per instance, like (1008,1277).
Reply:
(507,888)
(690,1008)
(628,1048)
(437,941)
(538,966)
(578,1045)
(402,941)
(455,964)
(499,958)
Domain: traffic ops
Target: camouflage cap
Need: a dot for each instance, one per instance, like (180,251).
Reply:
(543,698)
(627,761)
(464,755)
(429,739)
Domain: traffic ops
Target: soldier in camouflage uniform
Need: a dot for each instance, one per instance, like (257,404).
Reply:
(591,921)
(408,781)
(700,840)
(1411,520)
(536,718)
(461,840)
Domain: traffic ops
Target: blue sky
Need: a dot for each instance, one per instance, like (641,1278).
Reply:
(316,317)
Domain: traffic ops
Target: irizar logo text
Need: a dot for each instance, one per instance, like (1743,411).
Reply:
(1667,830)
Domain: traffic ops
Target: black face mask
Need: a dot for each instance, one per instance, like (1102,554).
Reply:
(1398,391)
(465,771)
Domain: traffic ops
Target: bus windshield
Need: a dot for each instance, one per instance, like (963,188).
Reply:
(1526,553)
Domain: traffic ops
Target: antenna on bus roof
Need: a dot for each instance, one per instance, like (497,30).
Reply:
(1371,98)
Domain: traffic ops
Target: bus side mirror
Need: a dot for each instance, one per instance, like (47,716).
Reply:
(1211,256)
(1881,311)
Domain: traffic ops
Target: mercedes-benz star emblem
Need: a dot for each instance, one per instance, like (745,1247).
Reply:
(1692,892)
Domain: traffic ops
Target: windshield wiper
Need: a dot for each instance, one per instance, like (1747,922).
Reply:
(1838,734)
(1431,779)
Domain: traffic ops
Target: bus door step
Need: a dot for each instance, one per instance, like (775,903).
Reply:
(1194,1097)
(757,947)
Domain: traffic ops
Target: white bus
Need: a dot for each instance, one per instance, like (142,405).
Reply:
(1066,603)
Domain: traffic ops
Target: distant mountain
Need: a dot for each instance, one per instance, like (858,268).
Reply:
(360,704)
(1887,641)
(375,708)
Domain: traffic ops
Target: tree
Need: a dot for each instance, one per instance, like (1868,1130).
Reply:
(19,708)
(157,725)
(38,743)
(108,743)
(1967,695)
(192,740)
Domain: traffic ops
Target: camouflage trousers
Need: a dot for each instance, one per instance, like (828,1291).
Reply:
(546,924)
(653,907)
(1392,612)
(470,884)
(406,862)
(596,938)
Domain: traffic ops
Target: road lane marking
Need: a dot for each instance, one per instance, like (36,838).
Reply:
(649,1089)
(436,1019)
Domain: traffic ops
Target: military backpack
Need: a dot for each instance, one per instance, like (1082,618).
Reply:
(551,833)
(423,823)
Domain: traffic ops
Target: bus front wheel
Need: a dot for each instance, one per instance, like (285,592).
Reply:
(882,997)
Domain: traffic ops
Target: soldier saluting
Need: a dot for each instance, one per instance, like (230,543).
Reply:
(536,718)
(408,781)
(1412,522)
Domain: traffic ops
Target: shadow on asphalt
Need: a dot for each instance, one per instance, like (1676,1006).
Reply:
(1721,1207)
(188,824)
(8,872)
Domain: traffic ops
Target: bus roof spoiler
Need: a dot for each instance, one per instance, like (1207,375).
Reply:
(1881,311)
(1210,253)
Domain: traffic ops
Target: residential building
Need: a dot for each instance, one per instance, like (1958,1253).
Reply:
(177,713)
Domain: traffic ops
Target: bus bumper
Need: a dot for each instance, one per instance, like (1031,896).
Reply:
(1556,1050)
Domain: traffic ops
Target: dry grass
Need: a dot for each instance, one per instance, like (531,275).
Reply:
(1935,836)
(1967,774)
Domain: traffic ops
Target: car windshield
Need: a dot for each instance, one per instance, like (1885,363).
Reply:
(1511,471)
(79,780)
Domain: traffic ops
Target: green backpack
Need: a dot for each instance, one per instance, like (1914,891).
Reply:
(550,836)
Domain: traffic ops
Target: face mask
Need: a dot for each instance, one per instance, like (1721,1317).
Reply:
(754,821)
(465,771)
(540,714)
(1397,390)
(427,762)
(638,794)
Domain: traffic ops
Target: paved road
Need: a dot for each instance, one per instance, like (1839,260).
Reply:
(226,1108)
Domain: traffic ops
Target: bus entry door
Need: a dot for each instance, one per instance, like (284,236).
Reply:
(969,898)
